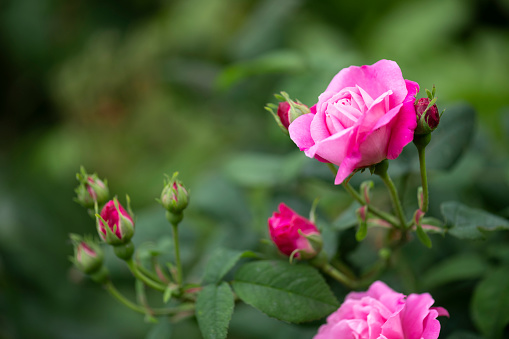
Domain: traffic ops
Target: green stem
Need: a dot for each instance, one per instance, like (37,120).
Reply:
(321,262)
(135,307)
(148,273)
(139,275)
(424,178)
(381,214)
(177,253)
(394,196)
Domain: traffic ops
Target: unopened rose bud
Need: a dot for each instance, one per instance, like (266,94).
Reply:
(287,110)
(88,255)
(115,225)
(427,118)
(294,235)
(174,196)
(90,190)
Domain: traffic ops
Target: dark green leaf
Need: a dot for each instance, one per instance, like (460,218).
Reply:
(220,262)
(460,267)
(161,330)
(490,303)
(214,308)
(469,223)
(293,293)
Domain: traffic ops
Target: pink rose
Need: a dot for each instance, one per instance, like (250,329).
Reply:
(115,225)
(381,313)
(293,234)
(365,115)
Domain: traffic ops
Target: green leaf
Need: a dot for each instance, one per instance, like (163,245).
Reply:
(264,170)
(214,308)
(293,293)
(161,330)
(423,237)
(470,223)
(221,261)
(460,267)
(347,219)
(490,303)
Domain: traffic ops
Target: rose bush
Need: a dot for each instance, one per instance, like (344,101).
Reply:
(294,234)
(381,313)
(365,115)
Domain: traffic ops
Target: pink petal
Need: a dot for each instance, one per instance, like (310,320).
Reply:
(413,315)
(334,148)
(374,79)
(300,132)
(403,127)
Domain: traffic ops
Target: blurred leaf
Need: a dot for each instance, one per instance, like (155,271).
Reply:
(293,293)
(469,223)
(264,169)
(448,142)
(490,303)
(161,330)
(459,267)
(347,219)
(214,308)
(273,62)
(220,262)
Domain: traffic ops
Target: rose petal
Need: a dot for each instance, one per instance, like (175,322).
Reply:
(403,128)
(374,79)
(299,131)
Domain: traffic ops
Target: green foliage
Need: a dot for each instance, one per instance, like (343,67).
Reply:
(454,269)
(293,293)
(222,261)
(490,302)
(214,309)
(470,223)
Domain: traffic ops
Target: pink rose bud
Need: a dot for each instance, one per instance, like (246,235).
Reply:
(174,196)
(91,190)
(283,112)
(427,118)
(365,115)
(383,313)
(115,225)
(287,110)
(88,255)
(294,236)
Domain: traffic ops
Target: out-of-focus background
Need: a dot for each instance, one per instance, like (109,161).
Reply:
(134,89)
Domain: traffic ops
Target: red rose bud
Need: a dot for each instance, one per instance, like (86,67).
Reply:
(88,255)
(115,225)
(427,118)
(91,189)
(287,110)
(294,235)
(283,112)
(174,196)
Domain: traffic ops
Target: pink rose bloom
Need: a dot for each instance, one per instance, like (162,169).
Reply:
(118,221)
(292,233)
(365,115)
(381,313)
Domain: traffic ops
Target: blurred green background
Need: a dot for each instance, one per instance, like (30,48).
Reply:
(133,89)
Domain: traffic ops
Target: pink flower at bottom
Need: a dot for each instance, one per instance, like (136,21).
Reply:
(381,313)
